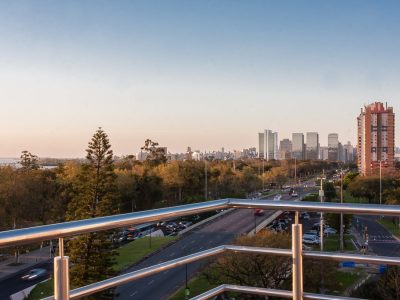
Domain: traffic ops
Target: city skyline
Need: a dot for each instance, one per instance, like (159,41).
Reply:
(200,74)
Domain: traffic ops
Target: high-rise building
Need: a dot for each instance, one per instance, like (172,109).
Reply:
(323,153)
(333,147)
(285,149)
(268,145)
(312,147)
(375,144)
(298,146)
(348,153)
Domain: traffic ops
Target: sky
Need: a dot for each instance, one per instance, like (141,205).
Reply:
(205,74)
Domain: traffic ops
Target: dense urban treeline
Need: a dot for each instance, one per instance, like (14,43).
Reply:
(32,196)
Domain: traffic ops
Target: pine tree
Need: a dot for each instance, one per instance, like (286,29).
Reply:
(94,195)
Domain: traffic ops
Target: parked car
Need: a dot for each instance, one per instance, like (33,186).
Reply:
(184,224)
(305,216)
(34,274)
(330,230)
(310,239)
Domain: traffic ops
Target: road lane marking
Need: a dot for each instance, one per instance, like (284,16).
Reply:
(172,254)
(150,282)
(134,293)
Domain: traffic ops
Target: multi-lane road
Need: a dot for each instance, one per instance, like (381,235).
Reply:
(219,232)
(380,240)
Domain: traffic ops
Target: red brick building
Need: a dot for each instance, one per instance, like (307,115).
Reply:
(375,141)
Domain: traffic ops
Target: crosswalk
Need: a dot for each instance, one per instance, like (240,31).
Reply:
(382,239)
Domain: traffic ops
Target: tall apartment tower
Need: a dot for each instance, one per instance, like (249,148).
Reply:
(285,149)
(268,145)
(375,143)
(333,147)
(298,146)
(312,147)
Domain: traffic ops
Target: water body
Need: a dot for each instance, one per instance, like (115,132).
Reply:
(10,162)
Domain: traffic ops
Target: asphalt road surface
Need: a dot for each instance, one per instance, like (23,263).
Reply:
(220,232)
(15,284)
(380,240)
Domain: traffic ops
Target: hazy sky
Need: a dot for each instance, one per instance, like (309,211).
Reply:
(206,74)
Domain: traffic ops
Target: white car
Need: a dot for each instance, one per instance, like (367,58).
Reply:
(310,239)
(330,230)
(277,197)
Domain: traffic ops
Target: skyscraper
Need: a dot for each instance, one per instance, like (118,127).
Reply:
(298,145)
(375,144)
(268,145)
(333,147)
(285,149)
(312,147)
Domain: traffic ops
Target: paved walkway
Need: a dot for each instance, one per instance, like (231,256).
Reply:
(26,261)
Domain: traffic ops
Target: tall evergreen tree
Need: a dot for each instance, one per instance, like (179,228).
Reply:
(94,195)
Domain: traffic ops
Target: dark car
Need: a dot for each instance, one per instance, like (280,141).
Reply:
(34,274)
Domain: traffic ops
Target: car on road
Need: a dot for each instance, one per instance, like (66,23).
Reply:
(34,274)
(258,212)
(295,195)
(277,197)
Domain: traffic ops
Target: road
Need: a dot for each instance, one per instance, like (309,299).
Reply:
(220,232)
(381,241)
(15,284)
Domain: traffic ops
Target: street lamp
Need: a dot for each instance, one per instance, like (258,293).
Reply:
(321,225)
(341,214)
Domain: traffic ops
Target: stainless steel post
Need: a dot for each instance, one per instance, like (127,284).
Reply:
(61,274)
(297,263)
(61,278)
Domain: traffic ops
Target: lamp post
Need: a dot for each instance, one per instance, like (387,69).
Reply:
(321,225)
(263,167)
(380,182)
(341,214)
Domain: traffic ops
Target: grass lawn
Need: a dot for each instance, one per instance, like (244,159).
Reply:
(348,198)
(197,285)
(388,224)
(134,251)
(345,280)
(42,290)
(331,243)
(128,255)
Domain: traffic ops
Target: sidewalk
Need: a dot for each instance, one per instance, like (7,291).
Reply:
(26,261)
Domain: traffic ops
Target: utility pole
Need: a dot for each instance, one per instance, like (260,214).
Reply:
(341,214)
(206,180)
(321,225)
(380,182)
(263,168)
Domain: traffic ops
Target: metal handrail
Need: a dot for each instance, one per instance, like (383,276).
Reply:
(66,229)
(263,291)
(161,267)
(40,233)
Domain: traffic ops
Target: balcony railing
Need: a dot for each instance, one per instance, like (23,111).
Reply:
(68,229)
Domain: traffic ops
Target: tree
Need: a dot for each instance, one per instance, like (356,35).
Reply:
(254,269)
(155,155)
(29,161)
(277,175)
(389,284)
(329,191)
(92,255)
